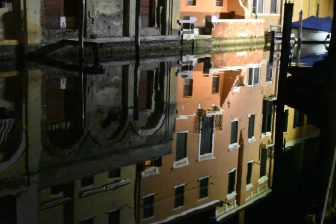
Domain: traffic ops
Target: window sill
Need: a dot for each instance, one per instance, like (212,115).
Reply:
(251,140)
(181,163)
(179,207)
(150,171)
(249,187)
(262,179)
(267,134)
(236,89)
(234,146)
(231,196)
(254,85)
(146,219)
(202,199)
(59,195)
(208,156)
(87,187)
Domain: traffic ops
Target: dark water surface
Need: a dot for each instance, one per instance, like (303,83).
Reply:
(178,139)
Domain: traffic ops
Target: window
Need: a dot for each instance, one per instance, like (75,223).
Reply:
(114,217)
(207,125)
(219,2)
(253,76)
(274,6)
(263,160)
(191,2)
(87,181)
(267,116)
(187,87)
(215,84)
(232,182)
(114,173)
(251,126)
(57,190)
(5,3)
(258,6)
(204,183)
(269,73)
(148,206)
(285,121)
(298,119)
(87,221)
(179,196)
(249,172)
(181,146)
(234,132)
(146,90)
(154,162)
(207,65)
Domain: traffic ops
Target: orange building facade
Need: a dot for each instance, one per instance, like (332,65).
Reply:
(226,15)
(222,148)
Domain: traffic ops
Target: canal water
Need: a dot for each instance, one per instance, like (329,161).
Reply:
(178,139)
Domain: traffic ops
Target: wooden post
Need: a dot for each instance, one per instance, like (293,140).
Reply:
(284,60)
(327,156)
(300,28)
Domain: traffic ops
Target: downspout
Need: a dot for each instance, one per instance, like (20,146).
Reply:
(137,59)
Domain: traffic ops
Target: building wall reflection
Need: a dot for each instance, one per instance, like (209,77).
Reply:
(221,158)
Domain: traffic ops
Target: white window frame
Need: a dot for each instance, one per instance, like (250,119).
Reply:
(182,162)
(207,156)
(199,180)
(248,75)
(235,145)
(253,139)
(219,5)
(250,185)
(257,7)
(276,8)
(191,1)
(145,196)
(233,194)
(176,186)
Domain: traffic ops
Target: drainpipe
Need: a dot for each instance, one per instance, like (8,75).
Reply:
(137,59)
(137,27)
(82,23)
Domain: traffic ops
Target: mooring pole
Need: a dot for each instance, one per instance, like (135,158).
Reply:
(284,60)
(300,28)
(327,158)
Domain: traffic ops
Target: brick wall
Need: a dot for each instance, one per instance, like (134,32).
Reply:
(234,29)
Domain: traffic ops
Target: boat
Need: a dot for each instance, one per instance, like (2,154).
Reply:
(308,54)
(314,29)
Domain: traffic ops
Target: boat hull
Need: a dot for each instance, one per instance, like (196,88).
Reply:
(312,35)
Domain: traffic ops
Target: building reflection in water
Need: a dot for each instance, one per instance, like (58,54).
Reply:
(222,148)
(12,141)
(178,143)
